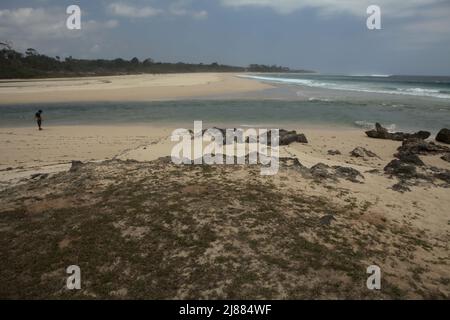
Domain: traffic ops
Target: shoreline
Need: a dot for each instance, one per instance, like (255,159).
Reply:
(368,214)
(130,88)
(26,147)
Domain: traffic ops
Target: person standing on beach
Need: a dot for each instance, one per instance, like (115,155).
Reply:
(38,117)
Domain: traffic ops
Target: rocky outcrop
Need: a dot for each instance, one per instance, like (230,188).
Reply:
(401,169)
(446,157)
(443,136)
(410,158)
(411,170)
(75,166)
(382,133)
(285,137)
(421,147)
(443,175)
(334,152)
(322,171)
(360,152)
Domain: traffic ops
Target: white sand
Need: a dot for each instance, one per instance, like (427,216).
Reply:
(28,151)
(125,88)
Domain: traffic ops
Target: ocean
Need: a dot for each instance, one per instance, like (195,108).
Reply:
(297,100)
(417,86)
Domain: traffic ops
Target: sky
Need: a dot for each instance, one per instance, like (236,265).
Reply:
(328,36)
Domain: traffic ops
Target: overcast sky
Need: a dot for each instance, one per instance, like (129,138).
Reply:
(328,36)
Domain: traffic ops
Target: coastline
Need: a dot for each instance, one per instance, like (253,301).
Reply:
(118,165)
(126,88)
(368,217)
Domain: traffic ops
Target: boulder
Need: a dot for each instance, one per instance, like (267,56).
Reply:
(443,175)
(410,158)
(360,152)
(334,152)
(383,133)
(399,168)
(421,135)
(379,132)
(348,173)
(301,138)
(327,220)
(443,136)
(321,170)
(446,157)
(286,138)
(76,165)
(39,176)
(420,146)
(401,187)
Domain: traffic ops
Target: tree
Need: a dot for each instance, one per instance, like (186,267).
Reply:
(148,61)
(31,52)
(5,45)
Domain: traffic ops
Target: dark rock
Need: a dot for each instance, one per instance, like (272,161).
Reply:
(399,168)
(443,136)
(286,138)
(421,135)
(446,157)
(443,175)
(383,133)
(410,158)
(39,175)
(327,220)
(360,152)
(75,165)
(348,173)
(378,133)
(321,170)
(301,138)
(420,146)
(334,152)
(401,187)
(291,162)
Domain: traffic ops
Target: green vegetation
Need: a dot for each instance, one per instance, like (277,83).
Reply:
(160,231)
(32,64)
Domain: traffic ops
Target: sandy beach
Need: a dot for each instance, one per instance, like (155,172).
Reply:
(125,88)
(257,152)
(405,233)
(25,152)
(37,166)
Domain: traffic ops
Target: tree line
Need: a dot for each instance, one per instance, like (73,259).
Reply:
(32,64)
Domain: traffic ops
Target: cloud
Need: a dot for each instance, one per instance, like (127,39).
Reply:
(46,27)
(179,8)
(432,22)
(328,7)
(34,22)
(203,14)
(125,10)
